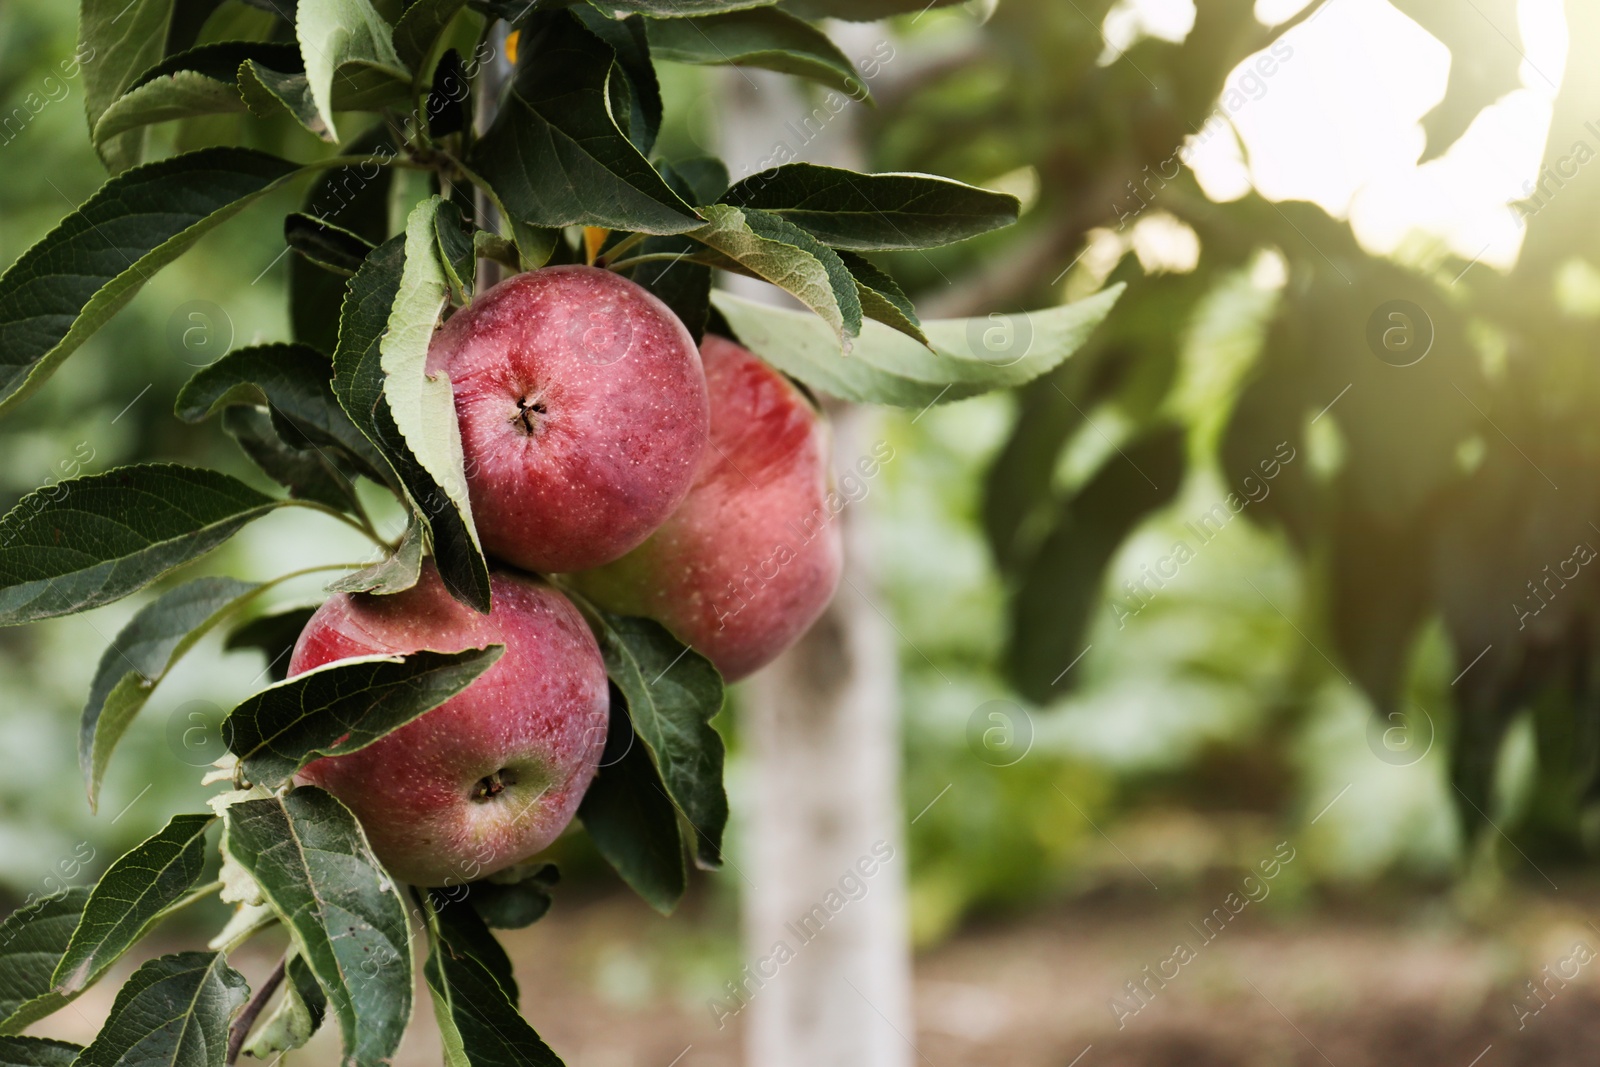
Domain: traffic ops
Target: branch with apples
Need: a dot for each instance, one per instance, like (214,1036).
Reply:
(603,459)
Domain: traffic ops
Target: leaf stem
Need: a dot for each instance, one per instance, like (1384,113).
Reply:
(247,1018)
(363,525)
(626,244)
(654,257)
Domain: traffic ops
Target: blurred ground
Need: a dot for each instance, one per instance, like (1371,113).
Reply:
(1348,985)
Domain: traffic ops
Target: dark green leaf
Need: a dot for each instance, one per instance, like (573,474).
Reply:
(220,60)
(65,287)
(315,868)
(768,247)
(360,384)
(92,540)
(140,656)
(672,9)
(295,383)
(509,904)
(275,635)
(673,693)
(630,817)
(763,37)
(465,930)
(32,940)
(118,40)
(267,92)
(628,38)
(344,707)
(862,10)
(180,95)
(881,298)
(130,897)
(308,473)
(704,179)
(393,574)
(37,1052)
(866,212)
(478,1017)
(1055,595)
(174,1011)
(355,198)
(967,356)
(458,253)
(554,155)
(682,284)
(423,23)
(325,244)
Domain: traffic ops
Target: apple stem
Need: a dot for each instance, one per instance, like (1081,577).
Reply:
(247,1018)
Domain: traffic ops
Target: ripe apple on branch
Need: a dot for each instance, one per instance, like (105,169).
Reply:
(615,480)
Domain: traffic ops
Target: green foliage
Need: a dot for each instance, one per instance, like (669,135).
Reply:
(344,707)
(32,941)
(175,1009)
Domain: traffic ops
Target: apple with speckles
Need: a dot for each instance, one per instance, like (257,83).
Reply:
(494,774)
(583,412)
(753,556)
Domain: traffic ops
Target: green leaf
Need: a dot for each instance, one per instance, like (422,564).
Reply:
(683,284)
(92,540)
(764,37)
(65,287)
(1059,589)
(174,1011)
(274,635)
(462,926)
(130,897)
(180,95)
(329,246)
(630,40)
(423,23)
(393,574)
(703,178)
(220,60)
(423,406)
(308,473)
(343,707)
(862,10)
(673,693)
(345,40)
(630,818)
(294,382)
(37,1052)
(297,1017)
(967,357)
(478,1017)
(866,212)
(554,155)
(157,636)
(118,40)
(32,940)
(882,298)
(266,92)
(458,249)
(765,246)
(359,383)
(508,903)
(673,9)
(315,868)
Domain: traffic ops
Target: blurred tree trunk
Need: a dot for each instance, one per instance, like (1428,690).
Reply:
(823,738)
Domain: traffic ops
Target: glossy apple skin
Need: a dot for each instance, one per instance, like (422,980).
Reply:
(583,414)
(753,556)
(541,711)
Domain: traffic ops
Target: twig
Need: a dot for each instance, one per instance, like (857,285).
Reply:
(241,1026)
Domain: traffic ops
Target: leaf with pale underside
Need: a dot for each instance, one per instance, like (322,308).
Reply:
(343,707)
(344,39)
(77,276)
(180,95)
(174,1012)
(888,367)
(130,897)
(882,298)
(93,540)
(767,247)
(314,866)
(32,940)
(868,212)
(117,41)
(139,657)
(393,574)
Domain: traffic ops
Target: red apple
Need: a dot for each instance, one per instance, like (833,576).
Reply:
(583,414)
(750,560)
(493,775)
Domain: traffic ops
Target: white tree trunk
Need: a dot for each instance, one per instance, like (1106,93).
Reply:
(824,830)
(823,826)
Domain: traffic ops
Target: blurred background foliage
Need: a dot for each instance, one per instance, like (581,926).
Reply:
(1304,670)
